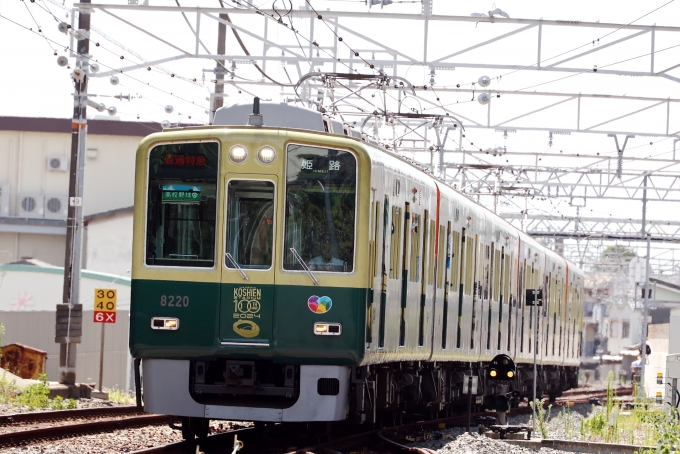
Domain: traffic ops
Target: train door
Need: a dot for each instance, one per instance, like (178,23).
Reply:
(247,297)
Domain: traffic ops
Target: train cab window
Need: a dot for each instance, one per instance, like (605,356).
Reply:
(250,223)
(181,204)
(320,209)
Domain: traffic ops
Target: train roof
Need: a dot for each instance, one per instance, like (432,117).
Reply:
(283,115)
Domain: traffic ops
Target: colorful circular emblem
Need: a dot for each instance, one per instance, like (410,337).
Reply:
(319,304)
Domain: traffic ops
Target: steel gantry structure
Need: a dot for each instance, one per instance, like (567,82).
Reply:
(397,74)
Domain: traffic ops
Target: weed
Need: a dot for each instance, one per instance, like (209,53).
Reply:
(568,422)
(35,396)
(121,397)
(58,403)
(8,389)
(542,416)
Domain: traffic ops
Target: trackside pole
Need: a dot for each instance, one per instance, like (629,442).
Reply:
(469,405)
(101,358)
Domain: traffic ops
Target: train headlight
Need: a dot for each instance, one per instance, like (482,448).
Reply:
(493,373)
(169,323)
(238,153)
(266,154)
(327,329)
(511,374)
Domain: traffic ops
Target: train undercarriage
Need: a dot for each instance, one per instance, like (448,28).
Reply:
(384,395)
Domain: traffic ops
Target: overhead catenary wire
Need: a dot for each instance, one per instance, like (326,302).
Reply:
(125,74)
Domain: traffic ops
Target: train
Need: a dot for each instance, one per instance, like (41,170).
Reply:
(287,268)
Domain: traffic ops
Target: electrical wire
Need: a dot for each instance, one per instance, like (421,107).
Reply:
(125,74)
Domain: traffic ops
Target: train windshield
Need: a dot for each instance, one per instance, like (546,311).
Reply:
(181,205)
(320,209)
(250,223)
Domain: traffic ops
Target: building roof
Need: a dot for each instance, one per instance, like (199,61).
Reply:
(664,283)
(63,125)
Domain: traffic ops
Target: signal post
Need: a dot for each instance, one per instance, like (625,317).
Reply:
(104,312)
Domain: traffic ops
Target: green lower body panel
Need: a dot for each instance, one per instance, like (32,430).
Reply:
(247,322)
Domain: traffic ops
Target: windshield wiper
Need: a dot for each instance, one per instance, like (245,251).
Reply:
(304,265)
(233,262)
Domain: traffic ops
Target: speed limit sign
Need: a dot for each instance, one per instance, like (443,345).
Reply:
(105,305)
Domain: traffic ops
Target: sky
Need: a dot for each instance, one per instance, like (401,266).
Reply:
(33,84)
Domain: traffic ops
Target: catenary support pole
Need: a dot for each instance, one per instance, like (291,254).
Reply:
(535,342)
(218,97)
(645,312)
(69,313)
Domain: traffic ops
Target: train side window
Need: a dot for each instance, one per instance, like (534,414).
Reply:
(445,274)
(404,276)
(455,262)
(320,209)
(250,223)
(441,255)
(376,230)
(383,278)
(431,234)
(395,243)
(520,295)
(181,204)
(416,235)
(469,264)
(427,278)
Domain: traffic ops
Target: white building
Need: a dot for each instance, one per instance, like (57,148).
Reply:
(34,179)
(34,183)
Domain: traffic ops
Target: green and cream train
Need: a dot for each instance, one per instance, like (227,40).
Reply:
(299,272)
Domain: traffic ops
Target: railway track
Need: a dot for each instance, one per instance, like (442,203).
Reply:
(24,428)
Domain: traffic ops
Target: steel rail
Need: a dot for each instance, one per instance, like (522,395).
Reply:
(70,430)
(67,414)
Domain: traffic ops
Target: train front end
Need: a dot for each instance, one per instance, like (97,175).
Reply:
(248,292)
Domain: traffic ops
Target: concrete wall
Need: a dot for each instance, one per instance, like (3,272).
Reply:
(656,362)
(674,335)
(36,329)
(47,248)
(28,298)
(109,244)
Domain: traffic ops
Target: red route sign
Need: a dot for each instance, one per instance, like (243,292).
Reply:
(104,317)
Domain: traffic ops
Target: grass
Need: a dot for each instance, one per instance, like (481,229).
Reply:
(542,417)
(645,424)
(121,397)
(33,397)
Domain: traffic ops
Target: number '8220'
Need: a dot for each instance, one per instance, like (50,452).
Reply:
(174,301)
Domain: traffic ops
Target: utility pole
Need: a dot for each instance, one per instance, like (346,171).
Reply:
(70,313)
(645,312)
(218,96)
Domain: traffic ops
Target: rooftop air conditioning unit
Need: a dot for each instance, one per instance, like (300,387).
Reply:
(4,200)
(57,163)
(56,206)
(31,205)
